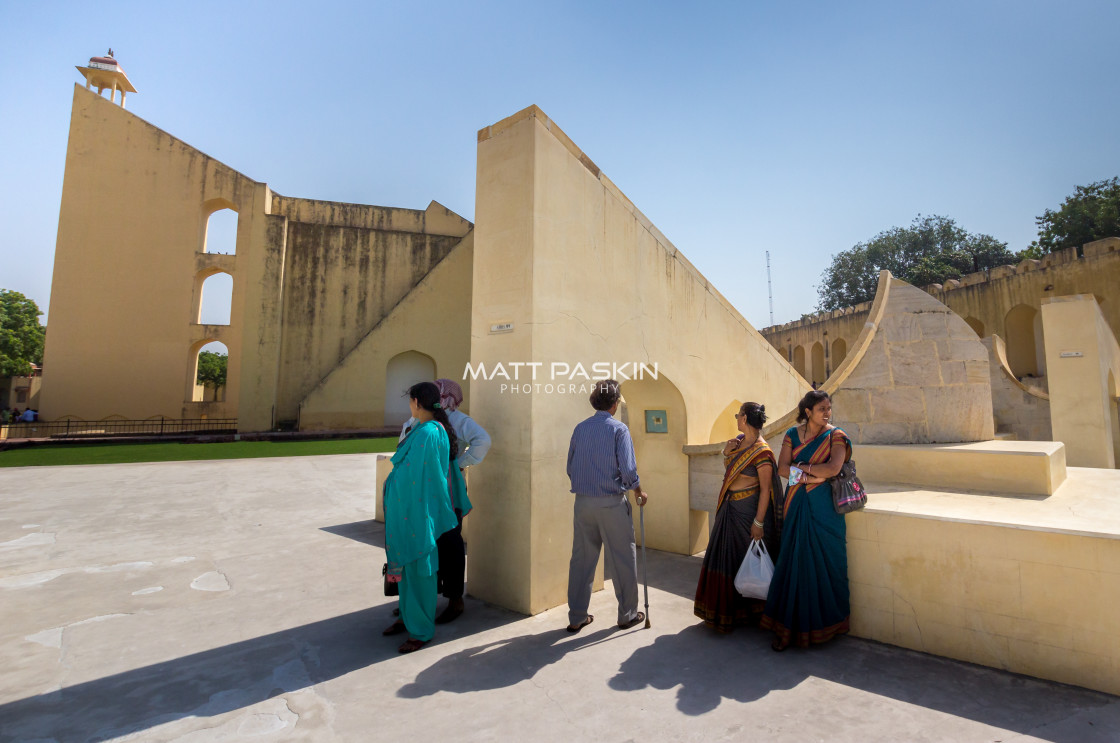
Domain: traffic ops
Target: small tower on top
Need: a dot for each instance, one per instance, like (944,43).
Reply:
(105,72)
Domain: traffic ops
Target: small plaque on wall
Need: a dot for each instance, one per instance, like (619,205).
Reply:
(657,421)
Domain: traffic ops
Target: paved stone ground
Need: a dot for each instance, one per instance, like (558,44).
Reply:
(240,599)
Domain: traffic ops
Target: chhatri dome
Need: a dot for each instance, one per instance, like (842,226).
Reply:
(106,72)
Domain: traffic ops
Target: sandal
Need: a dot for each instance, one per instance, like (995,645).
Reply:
(778,646)
(395,628)
(411,645)
(581,625)
(638,619)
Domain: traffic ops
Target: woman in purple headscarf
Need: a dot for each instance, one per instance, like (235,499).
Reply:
(474,442)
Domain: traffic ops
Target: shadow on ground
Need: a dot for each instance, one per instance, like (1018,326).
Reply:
(367,532)
(704,668)
(223,679)
(205,684)
(710,668)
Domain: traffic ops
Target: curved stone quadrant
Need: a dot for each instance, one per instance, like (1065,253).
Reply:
(923,379)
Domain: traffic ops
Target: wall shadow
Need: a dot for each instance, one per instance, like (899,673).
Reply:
(706,668)
(367,532)
(503,663)
(207,683)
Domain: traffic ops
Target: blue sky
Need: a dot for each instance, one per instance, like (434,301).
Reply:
(737,127)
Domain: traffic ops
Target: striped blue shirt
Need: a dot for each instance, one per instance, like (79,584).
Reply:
(601,457)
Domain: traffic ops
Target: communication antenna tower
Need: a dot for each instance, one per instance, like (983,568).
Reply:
(769,288)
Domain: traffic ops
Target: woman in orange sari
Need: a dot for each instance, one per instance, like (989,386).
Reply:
(748,508)
(809,600)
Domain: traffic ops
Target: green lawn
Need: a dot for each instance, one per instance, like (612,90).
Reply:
(49,454)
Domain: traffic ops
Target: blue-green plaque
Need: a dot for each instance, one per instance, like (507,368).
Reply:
(657,421)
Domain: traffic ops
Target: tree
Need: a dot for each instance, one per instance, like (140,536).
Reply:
(21,335)
(212,369)
(1091,213)
(931,250)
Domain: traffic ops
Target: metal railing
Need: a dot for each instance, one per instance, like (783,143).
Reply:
(151,427)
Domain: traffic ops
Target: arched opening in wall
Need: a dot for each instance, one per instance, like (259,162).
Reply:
(839,352)
(799,360)
(1039,345)
(215,299)
(976,325)
(211,362)
(1113,392)
(1022,351)
(403,371)
(725,426)
(659,429)
(818,373)
(220,235)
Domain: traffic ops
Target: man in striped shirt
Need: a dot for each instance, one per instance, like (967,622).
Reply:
(602,469)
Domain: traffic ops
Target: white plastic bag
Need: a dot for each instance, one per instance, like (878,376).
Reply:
(753,578)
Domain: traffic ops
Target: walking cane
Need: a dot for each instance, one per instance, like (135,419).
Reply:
(645,578)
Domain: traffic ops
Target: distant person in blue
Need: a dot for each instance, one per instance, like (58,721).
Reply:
(417,511)
(602,470)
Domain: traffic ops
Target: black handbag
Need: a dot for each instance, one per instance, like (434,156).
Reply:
(392,588)
(847,491)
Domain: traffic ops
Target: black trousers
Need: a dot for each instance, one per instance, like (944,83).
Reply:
(452,561)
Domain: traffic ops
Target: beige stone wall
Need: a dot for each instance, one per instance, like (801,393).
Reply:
(311,280)
(837,330)
(431,319)
(1018,409)
(339,283)
(583,276)
(1037,602)
(923,378)
(1083,360)
(123,336)
(984,299)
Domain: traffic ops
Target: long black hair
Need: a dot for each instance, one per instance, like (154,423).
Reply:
(810,401)
(426,395)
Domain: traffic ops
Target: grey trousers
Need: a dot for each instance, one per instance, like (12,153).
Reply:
(603,521)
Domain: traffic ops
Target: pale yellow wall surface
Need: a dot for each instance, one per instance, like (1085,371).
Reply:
(339,283)
(584,277)
(499,568)
(311,279)
(1081,395)
(1035,602)
(431,319)
(923,378)
(260,348)
(1017,409)
(1017,467)
(131,224)
(659,467)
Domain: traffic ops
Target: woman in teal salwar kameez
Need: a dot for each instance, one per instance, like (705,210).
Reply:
(808,600)
(417,511)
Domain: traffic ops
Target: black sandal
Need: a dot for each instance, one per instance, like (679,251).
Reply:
(638,619)
(395,628)
(581,625)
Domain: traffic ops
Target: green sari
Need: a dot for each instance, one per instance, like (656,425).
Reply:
(417,510)
(809,599)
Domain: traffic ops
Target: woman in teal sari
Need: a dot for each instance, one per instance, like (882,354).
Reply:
(417,511)
(808,600)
